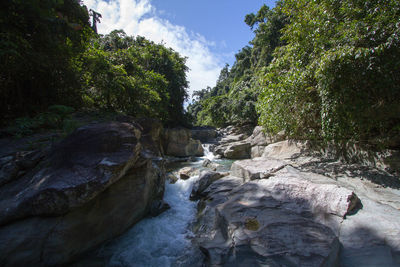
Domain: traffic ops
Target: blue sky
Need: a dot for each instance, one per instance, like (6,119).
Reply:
(207,32)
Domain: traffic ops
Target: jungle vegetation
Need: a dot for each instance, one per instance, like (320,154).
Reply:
(52,59)
(325,69)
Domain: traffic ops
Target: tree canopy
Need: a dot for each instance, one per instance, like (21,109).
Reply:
(337,77)
(321,69)
(50,55)
(40,43)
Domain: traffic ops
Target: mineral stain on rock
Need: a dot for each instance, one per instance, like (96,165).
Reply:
(252,224)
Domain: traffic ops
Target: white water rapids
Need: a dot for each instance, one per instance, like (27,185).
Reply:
(160,241)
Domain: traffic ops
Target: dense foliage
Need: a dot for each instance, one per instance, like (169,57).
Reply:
(325,69)
(51,56)
(135,76)
(40,42)
(338,77)
(233,99)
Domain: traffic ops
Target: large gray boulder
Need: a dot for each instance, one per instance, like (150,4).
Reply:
(178,142)
(238,150)
(360,204)
(270,213)
(251,225)
(91,187)
(287,149)
(235,150)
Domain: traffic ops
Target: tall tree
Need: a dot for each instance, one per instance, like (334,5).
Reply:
(40,41)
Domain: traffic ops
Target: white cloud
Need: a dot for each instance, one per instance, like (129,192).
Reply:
(138,17)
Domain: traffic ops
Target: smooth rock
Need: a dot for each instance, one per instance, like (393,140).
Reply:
(237,151)
(288,149)
(205,179)
(245,224)
(257,151)
(258,168)
(178,143)
(90,188)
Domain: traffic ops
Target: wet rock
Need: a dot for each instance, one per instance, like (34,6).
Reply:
(211,165)
(171,178)
(158,207)
(186,172)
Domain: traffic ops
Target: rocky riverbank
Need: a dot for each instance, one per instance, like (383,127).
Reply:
(62,200)
(291,205)
(283,202)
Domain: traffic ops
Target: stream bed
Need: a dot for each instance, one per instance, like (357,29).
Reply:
(164,240)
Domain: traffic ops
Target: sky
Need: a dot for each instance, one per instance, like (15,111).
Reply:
(208,32)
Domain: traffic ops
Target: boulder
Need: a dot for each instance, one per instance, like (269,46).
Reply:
(233,138)
(237,150)
(257,151)
(219,150)
(96,178)
(16,164)
(151,139)
(288,149)
(211,165)
(178,143)
(259,138)
(186,172)
(289,183)
(205,179)
(258,168)
(247,224)
(293,207)
(273,214)
(171,178)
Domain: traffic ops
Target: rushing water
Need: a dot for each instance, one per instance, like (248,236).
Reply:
(160,241)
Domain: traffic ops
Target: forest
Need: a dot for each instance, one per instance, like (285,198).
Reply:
(325,70)
(53,63)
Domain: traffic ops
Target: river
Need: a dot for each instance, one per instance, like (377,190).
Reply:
(164,240)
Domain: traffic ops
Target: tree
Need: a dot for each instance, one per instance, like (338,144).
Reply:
(233,99)
(136,76)
(40,43)
(337,77)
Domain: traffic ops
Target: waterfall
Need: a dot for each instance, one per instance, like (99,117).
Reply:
(207,153)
